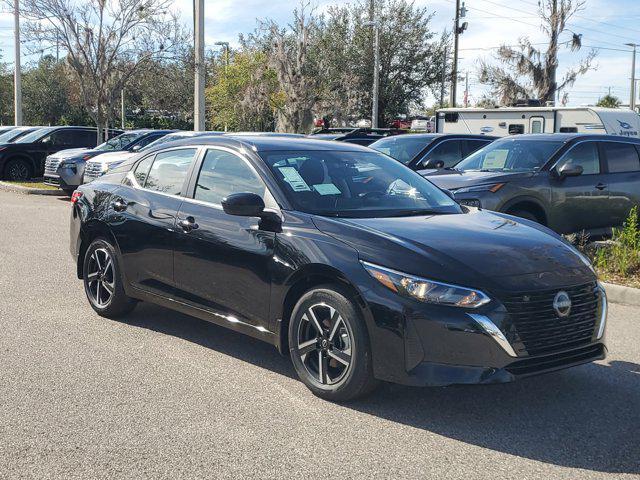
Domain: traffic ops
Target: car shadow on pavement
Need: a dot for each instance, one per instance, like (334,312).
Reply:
(586,417)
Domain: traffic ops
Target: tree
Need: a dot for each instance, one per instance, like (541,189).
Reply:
(106,43)
(609,101)
(245,94)
(6,94)
(411,58)
(527,71)
(46,92)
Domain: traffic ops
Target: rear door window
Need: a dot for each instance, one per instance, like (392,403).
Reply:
(584,154)
(448,152)
(621,157)
(169,171)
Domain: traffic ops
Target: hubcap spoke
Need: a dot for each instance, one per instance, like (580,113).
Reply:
(340,356)
(336,320)
(108,287)
(307,347)
(92,277)
(314,321)
(322,368)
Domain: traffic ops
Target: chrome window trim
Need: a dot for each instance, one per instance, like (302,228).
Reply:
(494,332)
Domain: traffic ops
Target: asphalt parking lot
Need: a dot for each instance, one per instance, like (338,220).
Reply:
(163,395)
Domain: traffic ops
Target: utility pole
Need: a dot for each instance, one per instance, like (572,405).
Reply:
(457,31)
(17,82)
(632,96)
(376,74)
(198,97)
(466,89)
(444,77)
(122,115)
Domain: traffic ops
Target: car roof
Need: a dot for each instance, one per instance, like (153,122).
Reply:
(569,137)
(266,143)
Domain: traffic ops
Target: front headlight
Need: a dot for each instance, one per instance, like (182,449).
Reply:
(424,290)
(492,187)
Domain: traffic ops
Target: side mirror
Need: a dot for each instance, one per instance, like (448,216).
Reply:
(433,163)
(136,147)
(569,170)
(243,205)
(450,194)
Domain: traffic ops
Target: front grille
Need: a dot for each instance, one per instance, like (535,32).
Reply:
(92,171)
(51,166)
(535,327)
(530,366)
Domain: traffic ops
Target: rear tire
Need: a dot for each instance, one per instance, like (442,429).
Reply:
(102,280)
(17,170)
(68,192)
(329,345)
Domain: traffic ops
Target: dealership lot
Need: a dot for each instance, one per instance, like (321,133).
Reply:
(165,395)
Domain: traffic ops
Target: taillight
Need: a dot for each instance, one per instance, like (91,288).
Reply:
(75,196)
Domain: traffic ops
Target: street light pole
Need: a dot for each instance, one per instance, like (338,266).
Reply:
(199,105)
(632,96)
(376,72)
(17,82)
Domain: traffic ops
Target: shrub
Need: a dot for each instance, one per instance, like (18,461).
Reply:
(622,257)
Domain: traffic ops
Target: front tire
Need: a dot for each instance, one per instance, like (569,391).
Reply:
(103,281)
(17,170)
(329,345)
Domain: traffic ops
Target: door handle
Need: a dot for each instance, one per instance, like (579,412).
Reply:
(601,186)
(119,205)
(188,224)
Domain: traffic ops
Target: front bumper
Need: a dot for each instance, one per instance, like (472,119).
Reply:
(435,345)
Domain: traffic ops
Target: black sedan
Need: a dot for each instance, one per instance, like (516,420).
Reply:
(424,151)
(343,258)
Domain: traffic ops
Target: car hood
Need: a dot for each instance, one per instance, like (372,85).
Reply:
(119,156)
(453,179)
(479,249)
(71,152)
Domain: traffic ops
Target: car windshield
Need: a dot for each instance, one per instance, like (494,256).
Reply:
(35,135)
(121,141)
(355,184)
(402,147)
(13,134)
(511,155)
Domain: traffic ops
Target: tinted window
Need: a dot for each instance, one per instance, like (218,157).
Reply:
(224,173)
(120,142)
(621,157)
(35,135)
(62,138)
(584,154)
(148,139)
(474,145)
(142,170)
(169,171)
(402,147)
(354,184)
(84,138)
(512,154)
(447,152)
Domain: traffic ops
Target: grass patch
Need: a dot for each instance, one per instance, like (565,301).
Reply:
(33,184)
(617,261)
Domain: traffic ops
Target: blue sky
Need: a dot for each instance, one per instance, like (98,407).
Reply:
(606,24)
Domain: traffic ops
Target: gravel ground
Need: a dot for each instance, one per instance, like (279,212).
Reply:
(164,395)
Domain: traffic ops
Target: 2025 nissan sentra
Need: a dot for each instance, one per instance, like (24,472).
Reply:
(354,265)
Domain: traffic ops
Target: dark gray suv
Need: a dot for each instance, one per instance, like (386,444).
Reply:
(568,182)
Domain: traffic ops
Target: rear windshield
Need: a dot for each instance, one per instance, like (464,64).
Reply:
(513,155)
(402,147)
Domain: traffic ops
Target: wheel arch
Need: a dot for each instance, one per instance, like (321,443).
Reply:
(305,279)
(92,230)
(529,204)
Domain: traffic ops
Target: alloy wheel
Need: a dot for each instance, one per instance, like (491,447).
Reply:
(324,344)
(100,277)
(18,171)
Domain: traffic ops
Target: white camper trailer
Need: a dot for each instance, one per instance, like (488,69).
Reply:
(505,121)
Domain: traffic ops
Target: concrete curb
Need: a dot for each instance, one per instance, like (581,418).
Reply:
(620,294)
(8,187)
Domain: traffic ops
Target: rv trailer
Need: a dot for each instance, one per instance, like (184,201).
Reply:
(505,121)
